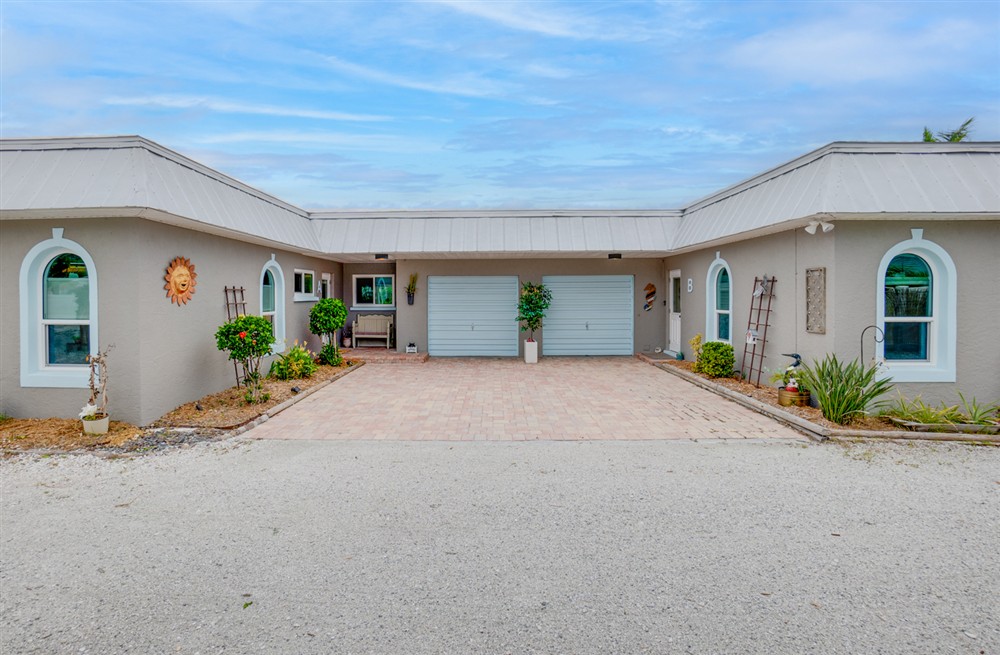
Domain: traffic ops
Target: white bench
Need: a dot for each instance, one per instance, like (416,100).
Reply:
(372,326)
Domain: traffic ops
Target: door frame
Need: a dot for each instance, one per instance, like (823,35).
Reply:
(673,317)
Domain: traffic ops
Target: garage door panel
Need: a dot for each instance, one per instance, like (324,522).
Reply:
(472,316)
(590,315)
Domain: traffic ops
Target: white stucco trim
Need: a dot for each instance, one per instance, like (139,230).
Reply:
(711,326)
(279,301)
(34,371)
(943,340)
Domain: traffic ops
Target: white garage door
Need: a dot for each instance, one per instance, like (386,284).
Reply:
(472,316)
(590,315)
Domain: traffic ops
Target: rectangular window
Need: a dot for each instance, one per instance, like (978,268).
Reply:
(304,285)
(374,291)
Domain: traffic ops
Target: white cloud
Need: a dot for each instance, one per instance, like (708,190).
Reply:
(312,139)
(860,46)
(464,85)
(532,17)
(224,106)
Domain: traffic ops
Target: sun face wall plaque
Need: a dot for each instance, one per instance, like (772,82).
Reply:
(181,280)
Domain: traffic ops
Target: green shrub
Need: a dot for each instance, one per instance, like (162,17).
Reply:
(716,359)
(695,344)
(325,318)
(917,411)
(247,339)
(843,389)
(297,363)
(330,355)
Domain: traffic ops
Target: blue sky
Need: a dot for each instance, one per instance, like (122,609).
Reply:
(498,104)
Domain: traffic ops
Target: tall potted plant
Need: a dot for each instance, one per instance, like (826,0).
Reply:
(531,307)
(95,413)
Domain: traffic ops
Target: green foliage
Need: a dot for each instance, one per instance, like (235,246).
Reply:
(411,286)
(531,306)
(843,389)
(695,344)
(4,417)
(787,376)
(716,359)
(297,363)
(950,137)
(330,355)
(917,411)
(247,339)
(325,318)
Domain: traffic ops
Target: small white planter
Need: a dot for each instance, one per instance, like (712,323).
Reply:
(530,352)
(100,426)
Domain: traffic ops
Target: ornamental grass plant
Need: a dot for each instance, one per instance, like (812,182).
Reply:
(843,389)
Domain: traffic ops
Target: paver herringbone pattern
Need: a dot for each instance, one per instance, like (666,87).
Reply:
(507,400)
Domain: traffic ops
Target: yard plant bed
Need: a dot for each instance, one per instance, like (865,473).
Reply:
(769,395)
(220,413)
(227,410)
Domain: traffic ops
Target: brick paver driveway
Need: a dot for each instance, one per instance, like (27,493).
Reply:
(507,400)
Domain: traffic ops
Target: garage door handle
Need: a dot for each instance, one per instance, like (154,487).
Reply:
(587,325)
(473,327)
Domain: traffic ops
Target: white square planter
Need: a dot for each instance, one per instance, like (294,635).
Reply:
(530,352)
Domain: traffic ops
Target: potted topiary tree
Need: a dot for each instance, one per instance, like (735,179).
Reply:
(325,318)
(531,307)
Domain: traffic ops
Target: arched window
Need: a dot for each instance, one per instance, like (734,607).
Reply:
(272,300)
(718,302)
(916,306)
(58,305)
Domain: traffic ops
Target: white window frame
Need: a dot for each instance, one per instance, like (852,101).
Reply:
(942,337)
(299,285)
(278,320)
(35,372)
(711,313)
(354,291)
(326,285)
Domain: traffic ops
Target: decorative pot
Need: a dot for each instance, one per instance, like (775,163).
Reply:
(530,352)
(97,426)
(409,297)
(788,398)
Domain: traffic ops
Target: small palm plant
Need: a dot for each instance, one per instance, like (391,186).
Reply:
(843,389)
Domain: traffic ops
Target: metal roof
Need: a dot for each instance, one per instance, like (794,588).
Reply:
(131,176)
(844,179)
(134,176)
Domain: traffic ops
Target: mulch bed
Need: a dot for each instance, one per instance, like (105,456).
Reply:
(219,413)
(769,394)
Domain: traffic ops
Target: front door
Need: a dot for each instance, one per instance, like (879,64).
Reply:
(674,340)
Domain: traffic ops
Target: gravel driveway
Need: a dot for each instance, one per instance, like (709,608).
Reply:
(547,547)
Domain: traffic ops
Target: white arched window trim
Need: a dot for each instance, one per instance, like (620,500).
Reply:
(943,338)
(34,370)
(278,276)
(711,318)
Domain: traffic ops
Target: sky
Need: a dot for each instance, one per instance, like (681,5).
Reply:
(451,104)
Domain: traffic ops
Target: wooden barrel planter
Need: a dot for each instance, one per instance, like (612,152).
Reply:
(793,398)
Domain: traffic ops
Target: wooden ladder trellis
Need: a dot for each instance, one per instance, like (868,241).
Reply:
(757,324)
(236,305)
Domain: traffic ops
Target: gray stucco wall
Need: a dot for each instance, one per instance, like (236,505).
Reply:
(783,257)
(974,246)
(851,256)
(649,326)
(164,354)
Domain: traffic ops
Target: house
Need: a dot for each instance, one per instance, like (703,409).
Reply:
(900,236)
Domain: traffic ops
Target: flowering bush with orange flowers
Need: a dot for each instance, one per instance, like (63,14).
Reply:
(247,339)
